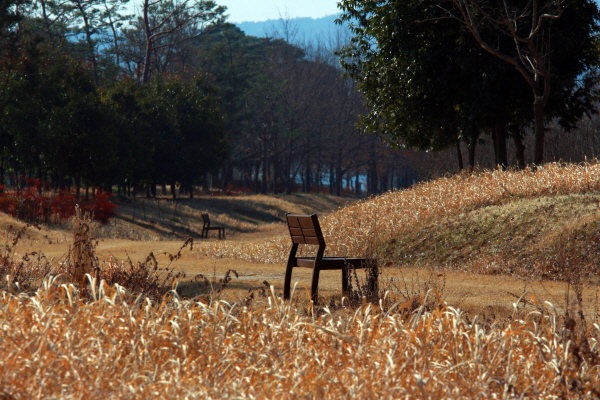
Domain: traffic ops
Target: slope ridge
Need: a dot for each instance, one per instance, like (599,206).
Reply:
(437,223)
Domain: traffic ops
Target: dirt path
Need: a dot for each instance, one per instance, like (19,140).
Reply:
(487,294)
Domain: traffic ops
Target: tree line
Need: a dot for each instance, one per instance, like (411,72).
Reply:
(176,96)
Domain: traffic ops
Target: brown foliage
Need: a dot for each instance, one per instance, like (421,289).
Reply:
(115,345)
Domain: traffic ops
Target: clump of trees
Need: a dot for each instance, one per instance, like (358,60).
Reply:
(291,116)
(175,96)
(442,73)
(71,114)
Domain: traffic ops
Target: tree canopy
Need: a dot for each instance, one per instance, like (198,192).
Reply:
(91,96)
(429,82)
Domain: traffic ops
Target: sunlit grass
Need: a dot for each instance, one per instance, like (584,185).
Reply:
(114,345)
(59,340)
(361,227)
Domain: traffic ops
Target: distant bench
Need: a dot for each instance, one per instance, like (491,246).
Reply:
(305,229)
(206,227)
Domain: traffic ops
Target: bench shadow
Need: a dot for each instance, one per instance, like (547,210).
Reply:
(190,289)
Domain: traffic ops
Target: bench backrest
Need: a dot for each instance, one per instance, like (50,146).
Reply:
(305,229)
(206,220)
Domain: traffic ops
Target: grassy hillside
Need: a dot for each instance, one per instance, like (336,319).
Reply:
(69,340)
(547,236)
(162,219)
(541,222)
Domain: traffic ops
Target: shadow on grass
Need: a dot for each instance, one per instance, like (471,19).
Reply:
(190,289)
(160,228)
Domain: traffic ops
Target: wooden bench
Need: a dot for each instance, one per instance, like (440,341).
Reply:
(305,229)
(206,227)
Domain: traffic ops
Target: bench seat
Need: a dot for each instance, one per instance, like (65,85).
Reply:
(305,230)
(329,263)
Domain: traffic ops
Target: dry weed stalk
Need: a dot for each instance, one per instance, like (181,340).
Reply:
(83,259)
(122,346)
(26,273)
(22,273)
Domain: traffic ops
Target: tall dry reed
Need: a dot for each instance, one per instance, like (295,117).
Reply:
(56,344)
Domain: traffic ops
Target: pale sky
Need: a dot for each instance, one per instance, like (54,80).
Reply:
(262,10)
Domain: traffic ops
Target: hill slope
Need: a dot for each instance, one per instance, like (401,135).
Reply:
(542,223)
(547,237)
(303,29)
(162,219)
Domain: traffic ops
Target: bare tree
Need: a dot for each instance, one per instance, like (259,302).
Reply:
(167,23)
(528,25)
(114,20)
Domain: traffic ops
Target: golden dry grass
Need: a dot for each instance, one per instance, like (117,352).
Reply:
(57,345)
(517,338)
(362,228)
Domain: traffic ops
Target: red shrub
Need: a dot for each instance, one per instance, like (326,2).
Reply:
(8,201)
(62,206)
(31,205)
(100,207)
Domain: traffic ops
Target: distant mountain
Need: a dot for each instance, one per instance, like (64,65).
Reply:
(301,29)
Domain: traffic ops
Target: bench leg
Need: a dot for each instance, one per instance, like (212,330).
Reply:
(373,275)
(373,287)
(345,280)
(314,288)
(287,282)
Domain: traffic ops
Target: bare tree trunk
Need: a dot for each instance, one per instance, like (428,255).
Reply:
(227,172)
(338,181)
(173,191)
(519,150)
(318,177)
(247,174)
(148,52)
(263,186)
(461,165)
(472,148)
(499,138)
(265,168)
(78,187)
(2,171)
(540,130)
(274,176)
(307,180)
(115,35)
(91,48)
(331,179)
(256,177)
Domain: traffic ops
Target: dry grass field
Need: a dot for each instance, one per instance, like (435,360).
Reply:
(489,289)
(114,345)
